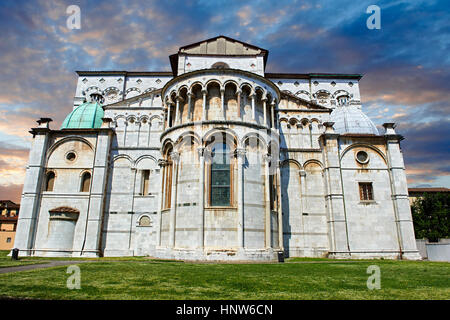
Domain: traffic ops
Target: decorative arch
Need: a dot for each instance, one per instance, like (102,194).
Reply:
(254,135)
(300,92)
(339,93)
(288,161)
(194,135)
(209,82)
(220,65)
(311,161)
(322,91)
(363,145)
(147,156)
(147,218)
(219,130)
(195,84)
(123,156)
(67,139)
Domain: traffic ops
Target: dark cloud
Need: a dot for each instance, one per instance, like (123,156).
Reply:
(406,65)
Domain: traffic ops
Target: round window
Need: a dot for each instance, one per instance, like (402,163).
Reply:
(362,157)
(71,156)
(145,221)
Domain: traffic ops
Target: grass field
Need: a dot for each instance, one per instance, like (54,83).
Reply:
(142,278)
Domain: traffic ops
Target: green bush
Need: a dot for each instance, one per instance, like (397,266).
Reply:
(431,215)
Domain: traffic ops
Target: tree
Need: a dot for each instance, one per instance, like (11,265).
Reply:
(431,216)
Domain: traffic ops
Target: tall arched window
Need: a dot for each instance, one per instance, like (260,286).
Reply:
(168,179)
(49,181)
(85,182)
(220,193)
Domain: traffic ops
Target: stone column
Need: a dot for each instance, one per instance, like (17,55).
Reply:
(240,153)
(177,111)
(268,224)
(280,210)
(204,92)
(276,119)
(265,111)
(222,99)
(175,156)
(201,199)
(191,113)
(273,114)
(30,202)
(253,106)
(302,174)
(169,115)
(400,197)
(161,164)
(238,99)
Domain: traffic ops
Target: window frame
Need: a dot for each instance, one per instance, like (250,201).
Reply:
(82,181)
(230,169)
(366,189)
(46,184)
(145,187)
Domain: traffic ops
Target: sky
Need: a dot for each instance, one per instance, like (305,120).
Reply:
(405,64)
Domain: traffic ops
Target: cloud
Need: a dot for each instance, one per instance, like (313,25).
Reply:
(406,65)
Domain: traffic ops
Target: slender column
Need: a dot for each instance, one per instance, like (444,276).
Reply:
(201,199)
(280,212)
(204,105)
(238,93)
(302,174)
(175,156)
(253,107)
(169,114)
(268,223)
(273,114)
(161,164)
(265,111)
(222,99)
(240,153)
(191,113)
(177,112)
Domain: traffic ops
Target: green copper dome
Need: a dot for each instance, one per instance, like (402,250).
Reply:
(86,116)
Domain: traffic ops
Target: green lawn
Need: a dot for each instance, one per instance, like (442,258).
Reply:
(141,278)
(6,261)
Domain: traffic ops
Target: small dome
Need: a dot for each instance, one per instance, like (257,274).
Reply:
(86,116)
(350,119)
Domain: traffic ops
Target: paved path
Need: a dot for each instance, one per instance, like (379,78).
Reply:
(40,266)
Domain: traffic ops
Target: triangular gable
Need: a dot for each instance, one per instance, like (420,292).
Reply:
(222,45)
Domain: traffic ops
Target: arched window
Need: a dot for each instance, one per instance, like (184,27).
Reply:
(343,100)
(220,193)
(85,182)
(145,182)
(145,221)
(220,65)
(168,179)
(49,181)
(97,97)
